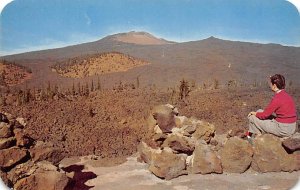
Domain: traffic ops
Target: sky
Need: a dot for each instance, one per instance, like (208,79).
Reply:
(28,25)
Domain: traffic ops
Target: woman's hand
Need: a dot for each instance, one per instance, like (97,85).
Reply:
(252,113)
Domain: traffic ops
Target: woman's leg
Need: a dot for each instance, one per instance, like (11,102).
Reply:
(287,129)
(259,126)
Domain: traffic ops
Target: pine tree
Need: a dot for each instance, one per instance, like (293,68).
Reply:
(98,85)
(79,89)
(92,86)
(184,89)
(86,90)
(138,82)
(73,89)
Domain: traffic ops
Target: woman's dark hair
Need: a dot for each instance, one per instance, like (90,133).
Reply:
(279,80)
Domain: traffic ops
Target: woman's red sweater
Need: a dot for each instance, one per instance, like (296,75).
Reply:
(282,104)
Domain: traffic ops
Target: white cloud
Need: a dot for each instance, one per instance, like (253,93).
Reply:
(3,3)
(296,3)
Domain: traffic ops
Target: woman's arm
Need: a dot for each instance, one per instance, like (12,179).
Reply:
(269,110)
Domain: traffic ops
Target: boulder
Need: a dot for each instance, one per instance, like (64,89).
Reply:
(146,152)
(179,144)
(236,132)
(21,171)
(21,138)
(189,129)
(270,156)
(164,117)
(180,121)
(5,130)
(159,138)
(236,155)
(7,142)
(151,123)
(45,151)
(168,165)
(218,142)
(293,143)
(43,180)
(11,156)
(204,131)
(204,161)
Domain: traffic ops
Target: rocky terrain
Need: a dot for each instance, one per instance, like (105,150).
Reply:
(12,74)
(179,145)
(98,64)
(68,120)
(96,108)
(25,163)
(174,145)
(203,61)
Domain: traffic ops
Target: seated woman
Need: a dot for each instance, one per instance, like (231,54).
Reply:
(279,117)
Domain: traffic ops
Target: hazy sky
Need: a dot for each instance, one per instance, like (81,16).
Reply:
(28,25)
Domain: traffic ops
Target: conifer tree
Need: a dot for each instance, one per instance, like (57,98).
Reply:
(92,86)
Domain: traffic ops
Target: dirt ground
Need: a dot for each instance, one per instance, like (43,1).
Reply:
(132,175)
(111,123)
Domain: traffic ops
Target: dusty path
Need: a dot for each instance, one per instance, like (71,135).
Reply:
(132,175)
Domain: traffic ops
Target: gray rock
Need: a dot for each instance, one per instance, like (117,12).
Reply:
(180,144)
(204,161)
(164,117)
(168,165)
(293,143)
(204,131)
(236,155)
(146,152)
(270,156)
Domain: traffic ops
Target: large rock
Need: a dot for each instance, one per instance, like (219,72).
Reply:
(43,180)
(218,142)
(270,156)
(293,143)
(168,165)
(180,121)
(5,130)
(7,142)
(204,161)
(21,171)
(180,144)
(21,139)
(236,155)
(204,131)
(164,116)
(29,168)
(11,156)
(146,152)
(45,151)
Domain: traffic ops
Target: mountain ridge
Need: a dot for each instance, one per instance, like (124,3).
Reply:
(201,61)
(93,47)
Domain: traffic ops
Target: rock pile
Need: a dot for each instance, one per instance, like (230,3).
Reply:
(178,145)
(25,163)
